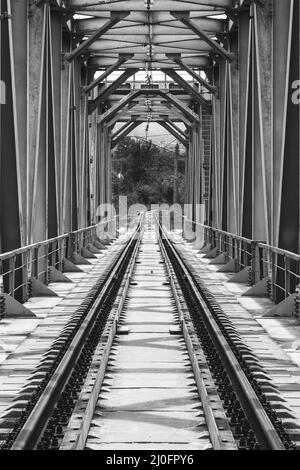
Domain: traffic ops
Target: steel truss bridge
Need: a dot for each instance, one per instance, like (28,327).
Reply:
(240,114)
(223,78)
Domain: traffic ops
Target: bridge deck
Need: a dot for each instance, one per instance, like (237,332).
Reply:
(150,397)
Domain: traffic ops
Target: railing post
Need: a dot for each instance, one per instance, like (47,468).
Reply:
(78,242)
(116,226)
(35,263)
(255,265)
(231,244)
(11,275)
(53,251)
(45,277)
(2,301)
(25,257)
(223,239)
(218,242)
(92,236)
(213,239)
(273,258)
(71,247)
(297,291)
(84,239)
(60,254)
(184,217)
(287,277)
(238,253)
(255,262)
(1,279)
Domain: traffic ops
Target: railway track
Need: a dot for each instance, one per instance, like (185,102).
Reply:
(147,363)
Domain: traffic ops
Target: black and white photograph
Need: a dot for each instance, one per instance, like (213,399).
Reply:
(150,229)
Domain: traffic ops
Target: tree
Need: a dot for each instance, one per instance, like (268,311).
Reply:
(149,173)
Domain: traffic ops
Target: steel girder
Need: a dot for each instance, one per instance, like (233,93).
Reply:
(191,24)
(170,128)
(55,156)
(256,127)
(152,92)
(192,91)
(167,35)
(122,59)
(46,127)
(116,139)
(107,91)
(116,17)
(176,58)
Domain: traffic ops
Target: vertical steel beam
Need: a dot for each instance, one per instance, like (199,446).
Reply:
(37,185)
(232,137)
(282,41)
(262,122)
(245,124)
(109,167)
(288,237)
(17,24)
(51,143)
(220,138)
(9,199)
(65,149)
(55,44)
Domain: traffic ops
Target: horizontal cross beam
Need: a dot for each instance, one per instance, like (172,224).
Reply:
(108,116)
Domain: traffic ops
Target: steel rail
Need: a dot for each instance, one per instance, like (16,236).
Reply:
(32,430)
(76,439)
(254,410)
(216,433)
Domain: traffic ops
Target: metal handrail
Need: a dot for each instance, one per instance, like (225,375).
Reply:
(280,251)
(24,249)
(281,267)
(19,266)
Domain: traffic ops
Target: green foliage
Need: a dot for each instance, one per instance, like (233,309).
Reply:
(148,173)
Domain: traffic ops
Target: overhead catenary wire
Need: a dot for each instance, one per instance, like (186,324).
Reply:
(155,145)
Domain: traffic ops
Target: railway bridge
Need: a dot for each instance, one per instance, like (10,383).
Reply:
(158,328)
